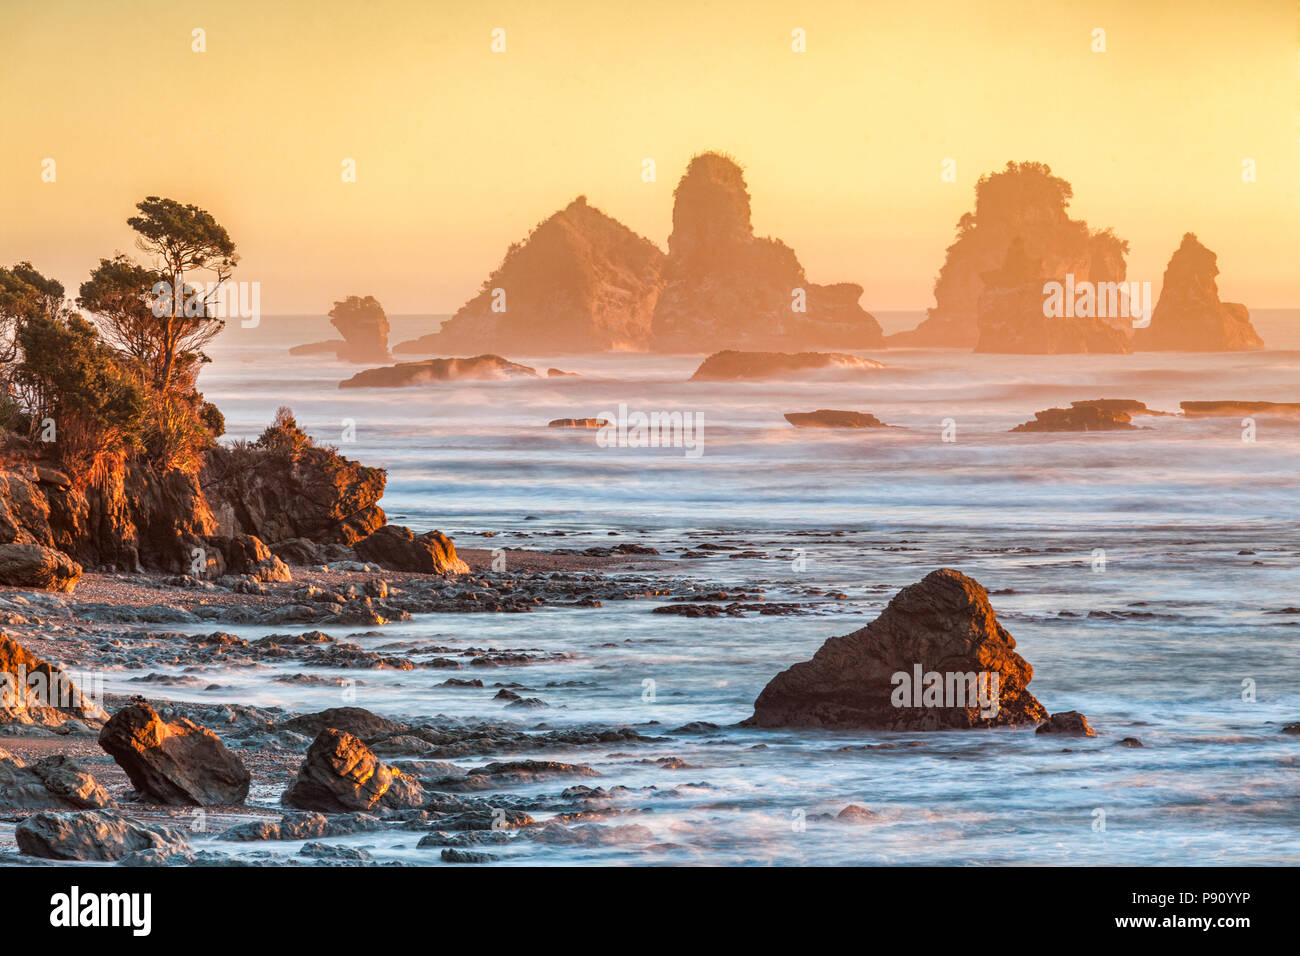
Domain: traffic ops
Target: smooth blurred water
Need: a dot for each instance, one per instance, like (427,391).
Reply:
(1171,507)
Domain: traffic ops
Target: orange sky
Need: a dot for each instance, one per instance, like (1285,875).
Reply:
(460,150)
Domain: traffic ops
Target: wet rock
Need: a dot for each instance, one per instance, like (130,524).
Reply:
(179,763)
(855,814)
(1189,316)
(400,549)
(1069,723)
(90,835)
(734,366)
(941,630)
(55,782)
(1078,418)
(160,856)
(341,774)
(333,853)
(453,855)
(579,423)
(35,692)
(833,418)
(592,834)
(353,720)
(429,371)
(1130,742)
(36,566)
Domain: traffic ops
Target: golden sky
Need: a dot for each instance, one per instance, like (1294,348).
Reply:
(460,150)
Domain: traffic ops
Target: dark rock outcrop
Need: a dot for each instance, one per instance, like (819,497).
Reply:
(1189,316)
(731,365)
(342,775)
(91,835)
(398,548)
(428,371)
(1012,317)
(1069,723)
(724,287)
(941,628)
(1023,201)
(34,691)
(246,554)
(1240,409)
(178,763)
(578,423)
(1130,405)
(580,282)
(364,328)
(36,566)
(55,782)
(833,418)
(1078,418)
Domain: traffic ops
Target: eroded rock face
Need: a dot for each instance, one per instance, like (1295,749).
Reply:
(724,287)
(833,418)
(580,282)
(1078,418)
(398,548)
(55,782)
(1026,202)
(36,566)
(246,554)
(1189,316)
(91,835)
(479,368)
(1012,317)
(732,365)
(942,625)
(179,763)
(342,775)
(34,691)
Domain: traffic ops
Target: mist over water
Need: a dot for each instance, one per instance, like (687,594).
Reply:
(1199,529)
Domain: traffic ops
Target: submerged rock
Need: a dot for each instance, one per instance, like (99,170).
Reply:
(732,365)
(1189,316)
(1078,418)
(833,418)
(428,371)
(36,566)
(942,630)
(1069,723)
(723,286)
(341,774)
(91,835)
(179,763)
(398,548)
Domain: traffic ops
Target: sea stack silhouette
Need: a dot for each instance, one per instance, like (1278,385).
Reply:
(1026,202)
(1189,316)
(580,282)
(364,327)
(724,288)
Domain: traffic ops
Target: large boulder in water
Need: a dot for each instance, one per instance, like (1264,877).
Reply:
(724,287)
(179,763)
(580,282)
(92,835)
(731,365)
(398,548)
(342,775)
(1023,201)
(1189,316)
(36,566)
(1079,418)
(912,668)
(833,418)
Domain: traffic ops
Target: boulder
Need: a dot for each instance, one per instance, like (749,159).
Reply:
(34,691)
(1078,418)
(91,835)
(1189,316)
(1024,201)
(732,366)
(55,782)
(1070,723)
(725,287)
(342,775)
(939,632)
(354,720)
(246,554)
(298,551)
(580,282)
(36,566)
(833,418)
(398,548)
(428,371)
(179,763)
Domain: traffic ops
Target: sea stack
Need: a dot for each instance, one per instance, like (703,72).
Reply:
(941,631)
(1189,316)
(580,282)
(1026,202)
(364,327)
(724,288)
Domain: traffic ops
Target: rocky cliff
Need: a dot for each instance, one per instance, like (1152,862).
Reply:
(1189,316)
(1026,202)
(580,282)
(726,288)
